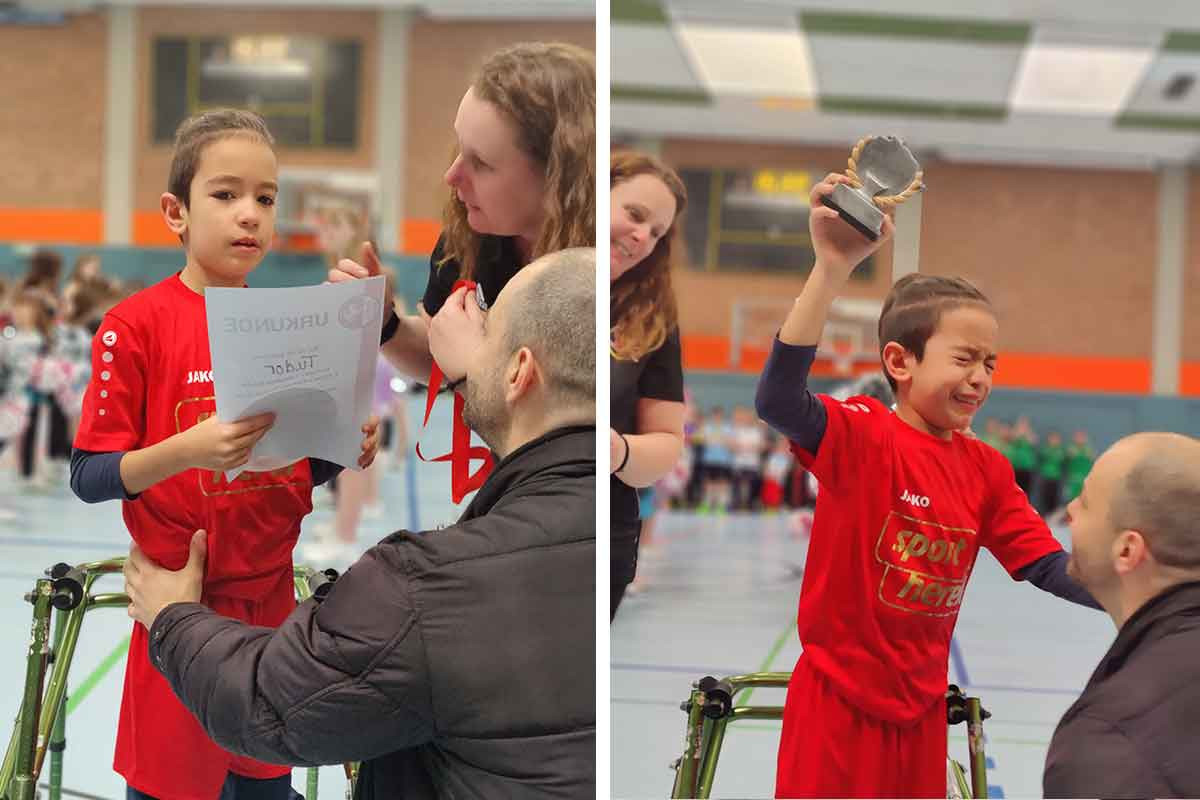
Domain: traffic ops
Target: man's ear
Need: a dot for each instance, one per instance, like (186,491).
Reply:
(521,376)
(174,213)
(898,361)
(1129,551)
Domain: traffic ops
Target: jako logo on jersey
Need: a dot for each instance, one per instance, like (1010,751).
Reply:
(918,500)
(109,338)
(200,376)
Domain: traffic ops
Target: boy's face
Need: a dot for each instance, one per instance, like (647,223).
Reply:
(954,378)
(230,220)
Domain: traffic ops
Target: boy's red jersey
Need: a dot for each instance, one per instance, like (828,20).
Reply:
(152,379)
(900,518)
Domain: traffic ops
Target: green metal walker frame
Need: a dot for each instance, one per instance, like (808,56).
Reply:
(41,721)
(710,708)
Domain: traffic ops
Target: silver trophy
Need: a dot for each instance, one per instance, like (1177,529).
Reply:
(884,174)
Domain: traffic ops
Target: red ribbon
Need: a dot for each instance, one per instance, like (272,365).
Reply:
(462,480)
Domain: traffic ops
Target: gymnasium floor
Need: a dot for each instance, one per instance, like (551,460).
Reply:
(52,525)
(721,600)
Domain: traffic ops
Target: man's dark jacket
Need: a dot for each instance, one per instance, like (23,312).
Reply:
(1135,730)
(456,664)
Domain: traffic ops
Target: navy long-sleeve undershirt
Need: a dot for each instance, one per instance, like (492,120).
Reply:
(784,402)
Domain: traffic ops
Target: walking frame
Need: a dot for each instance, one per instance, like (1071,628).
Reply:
(710,708)
(66,594)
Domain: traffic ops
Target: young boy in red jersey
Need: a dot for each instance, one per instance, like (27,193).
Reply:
(906,502)
(150,437)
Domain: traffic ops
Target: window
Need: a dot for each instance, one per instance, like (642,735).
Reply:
(306,88)
(752,220)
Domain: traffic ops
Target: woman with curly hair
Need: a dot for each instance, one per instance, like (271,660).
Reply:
(522,184)
(646,438)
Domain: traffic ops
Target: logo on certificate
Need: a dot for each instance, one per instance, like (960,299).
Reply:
(358,312)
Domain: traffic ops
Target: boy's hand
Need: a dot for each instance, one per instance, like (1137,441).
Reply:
(370,442)
(217,445)
(456,332)
(838,246)
(349,270)
(152,588)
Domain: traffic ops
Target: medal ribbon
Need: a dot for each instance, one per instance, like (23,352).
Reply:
(462,480)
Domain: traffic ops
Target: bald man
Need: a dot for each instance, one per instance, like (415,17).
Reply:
(1135,535)
(457,663)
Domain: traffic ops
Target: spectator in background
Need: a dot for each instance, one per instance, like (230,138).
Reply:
(86,269)
(775,474)
(68,364)
(718,462)
(995,434)
(1080,456)
(340,229)
(693,420)
(1051,461)
(1023,453)
(86,276)
(45,268)
(33,317)
(21,343)
(747,441)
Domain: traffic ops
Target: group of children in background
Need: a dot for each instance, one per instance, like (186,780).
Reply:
(734,462)
(1050,471)
(46,329)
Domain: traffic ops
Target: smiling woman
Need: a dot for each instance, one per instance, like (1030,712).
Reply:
(647,200)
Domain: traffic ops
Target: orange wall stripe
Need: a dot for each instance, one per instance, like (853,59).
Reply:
(419,236)
(52,225)
(1189,378)
(1016,370)
(149,230)
(1079,373)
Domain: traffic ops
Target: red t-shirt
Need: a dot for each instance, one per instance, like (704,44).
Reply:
(900,518)
(152,379)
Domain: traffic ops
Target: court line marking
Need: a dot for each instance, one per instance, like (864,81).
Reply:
(96,675)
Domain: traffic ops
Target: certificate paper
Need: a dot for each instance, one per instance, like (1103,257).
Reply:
(305,353)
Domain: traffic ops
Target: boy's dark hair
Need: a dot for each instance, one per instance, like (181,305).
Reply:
(199,131)
(914,307)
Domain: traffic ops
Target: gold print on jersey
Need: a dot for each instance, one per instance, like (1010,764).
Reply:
(925,565)
(195,410)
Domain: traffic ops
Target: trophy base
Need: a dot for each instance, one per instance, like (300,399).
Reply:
(857,209)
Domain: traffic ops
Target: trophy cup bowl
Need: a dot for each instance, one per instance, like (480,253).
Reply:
(884,173)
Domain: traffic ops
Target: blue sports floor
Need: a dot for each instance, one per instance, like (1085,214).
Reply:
(720,599)
(39,527)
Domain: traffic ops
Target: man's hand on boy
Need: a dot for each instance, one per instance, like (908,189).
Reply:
(456,332)
(838,246)
(152,588)
(217,445)
(370,442)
